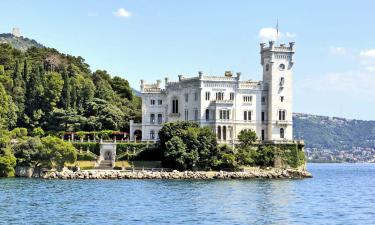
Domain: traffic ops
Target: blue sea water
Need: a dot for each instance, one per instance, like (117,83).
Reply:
(338,194)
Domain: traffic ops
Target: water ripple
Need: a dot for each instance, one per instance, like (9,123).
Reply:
(338,194)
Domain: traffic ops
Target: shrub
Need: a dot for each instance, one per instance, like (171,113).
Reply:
(86,156)
(122,148)
(38,132)
(265,156)
(91,146)
(7,164)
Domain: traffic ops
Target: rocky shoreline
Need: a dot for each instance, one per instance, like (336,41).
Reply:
(269,173)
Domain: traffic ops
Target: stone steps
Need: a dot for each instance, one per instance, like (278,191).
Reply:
(105,165)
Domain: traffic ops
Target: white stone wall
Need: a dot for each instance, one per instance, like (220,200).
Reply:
(269,89)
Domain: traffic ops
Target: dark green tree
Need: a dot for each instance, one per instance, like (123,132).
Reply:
(65,95)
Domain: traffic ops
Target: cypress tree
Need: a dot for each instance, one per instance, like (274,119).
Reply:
(65,95)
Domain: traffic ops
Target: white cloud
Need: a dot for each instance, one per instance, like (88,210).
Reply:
(123,13)
(290,35)
(337,50)
(367,59)
(270,34)
(368,53)
(356,83)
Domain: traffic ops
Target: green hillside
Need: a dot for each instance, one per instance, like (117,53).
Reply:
(333,133)
(41,87)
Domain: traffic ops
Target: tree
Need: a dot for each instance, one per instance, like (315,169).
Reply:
(7,163)
(7,159)
(198,148)
(4,107)
(65,95)
(53,89)
(38,132)
(122,88)
(175,153)
(30,152)
(247,138)
(58,151)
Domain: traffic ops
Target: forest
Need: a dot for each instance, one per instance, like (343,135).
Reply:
(43,88)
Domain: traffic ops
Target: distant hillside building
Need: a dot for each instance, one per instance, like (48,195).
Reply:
(16,32)
(225,103)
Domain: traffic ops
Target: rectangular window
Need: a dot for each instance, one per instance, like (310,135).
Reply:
(231,96)
(152,135)
(152,118)
(175,106)
(207,114)
(263,100)
(186,114)
(282,99)
(262,135)
(186,97)
(247,115)
(282,81)
(263,116)
(160,118)
(224,114)
(219,95)
(196,115)
(208,95)
(160,102)
(247,98)
(282,114)
(152,101)
(195,96)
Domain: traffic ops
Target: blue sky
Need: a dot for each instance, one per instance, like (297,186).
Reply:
(335,61)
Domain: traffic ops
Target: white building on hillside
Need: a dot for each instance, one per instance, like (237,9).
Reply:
(225,103)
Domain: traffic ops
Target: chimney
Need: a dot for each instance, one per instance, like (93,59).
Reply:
(200,73)
(180,77)
(238,75)
(166,81)
(142,84)
(271,44)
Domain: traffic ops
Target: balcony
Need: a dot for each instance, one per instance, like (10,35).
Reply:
(283,123)
(223,102)
(174,114)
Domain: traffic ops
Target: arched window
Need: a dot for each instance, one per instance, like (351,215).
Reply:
(219,132)
(282,133)
(224,133)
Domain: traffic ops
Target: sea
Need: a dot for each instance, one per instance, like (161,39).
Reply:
(337,194)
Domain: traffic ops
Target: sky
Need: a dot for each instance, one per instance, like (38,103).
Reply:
(334,71)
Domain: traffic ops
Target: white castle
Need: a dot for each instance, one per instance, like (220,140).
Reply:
(225,103)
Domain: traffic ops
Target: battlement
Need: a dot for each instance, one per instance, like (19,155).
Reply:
(272,47)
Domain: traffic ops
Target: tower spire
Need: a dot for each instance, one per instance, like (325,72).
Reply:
(277,29)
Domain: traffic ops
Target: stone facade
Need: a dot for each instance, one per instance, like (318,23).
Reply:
(225,103)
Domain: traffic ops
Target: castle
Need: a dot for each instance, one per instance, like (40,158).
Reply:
(225,103)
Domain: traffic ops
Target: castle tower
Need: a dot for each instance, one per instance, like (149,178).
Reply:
(277,62)
(16,32)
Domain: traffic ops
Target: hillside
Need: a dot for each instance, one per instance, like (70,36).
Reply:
(20,43)
(43,88)
(334,133)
